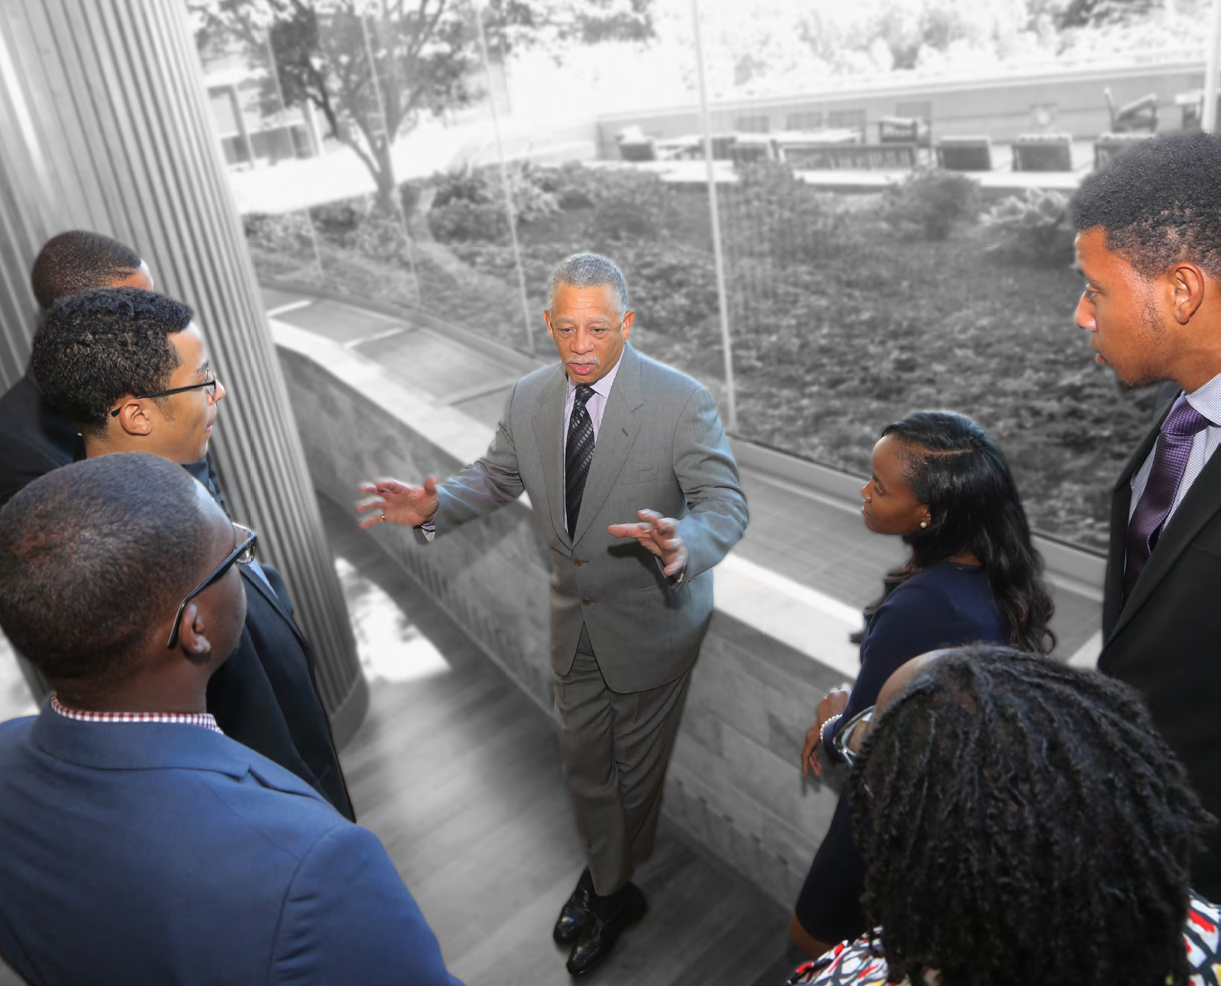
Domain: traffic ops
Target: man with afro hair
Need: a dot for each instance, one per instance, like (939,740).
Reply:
(1149,247)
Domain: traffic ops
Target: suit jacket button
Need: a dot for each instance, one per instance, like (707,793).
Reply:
(578,562)
(585,601)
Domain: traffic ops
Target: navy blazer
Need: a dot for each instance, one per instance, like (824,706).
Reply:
(265,695)
(167,853)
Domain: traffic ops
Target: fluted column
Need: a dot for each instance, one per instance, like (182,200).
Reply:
(104,126)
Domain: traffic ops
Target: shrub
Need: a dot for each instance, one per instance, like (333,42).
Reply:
(469,203)
(336,220)
(628,205)
(929,203)
(1033,229)
(573,184)
(289,233)
(461,221)
(380,238)
(672,286)
(775,215)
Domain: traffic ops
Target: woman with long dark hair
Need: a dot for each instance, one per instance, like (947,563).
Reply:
(941,484)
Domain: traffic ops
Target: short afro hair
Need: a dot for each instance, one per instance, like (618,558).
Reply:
(78,260)
(1023,821)
(1159,203)
(94,556)
(97,346)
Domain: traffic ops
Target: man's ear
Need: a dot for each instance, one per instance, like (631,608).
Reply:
(1187,282)
(133,418)
(192,635)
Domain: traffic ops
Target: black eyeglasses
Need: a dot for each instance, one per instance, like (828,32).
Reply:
(243,554)
(209,382)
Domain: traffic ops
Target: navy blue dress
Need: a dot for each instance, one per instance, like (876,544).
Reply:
(945,606)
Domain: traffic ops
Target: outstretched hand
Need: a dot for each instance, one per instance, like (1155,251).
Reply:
(398,502)
(834,704)
(660,535)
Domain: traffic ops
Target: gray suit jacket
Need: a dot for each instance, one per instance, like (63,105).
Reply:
(660,445)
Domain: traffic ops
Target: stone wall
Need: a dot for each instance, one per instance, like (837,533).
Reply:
(735,783)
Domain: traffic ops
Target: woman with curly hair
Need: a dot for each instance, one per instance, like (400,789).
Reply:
(1022,822)
(941,484)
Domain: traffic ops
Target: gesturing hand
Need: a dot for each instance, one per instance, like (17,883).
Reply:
(660,535)
(403,504)
(834,704)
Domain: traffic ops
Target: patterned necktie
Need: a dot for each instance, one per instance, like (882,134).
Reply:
(1169,462)
(578,451)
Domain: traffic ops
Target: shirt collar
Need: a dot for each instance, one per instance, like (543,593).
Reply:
(203,719)
(1207,400)
(603,386)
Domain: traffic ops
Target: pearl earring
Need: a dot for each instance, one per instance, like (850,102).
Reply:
(924,523)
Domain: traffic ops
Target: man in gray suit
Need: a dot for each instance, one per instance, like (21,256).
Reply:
(606,435)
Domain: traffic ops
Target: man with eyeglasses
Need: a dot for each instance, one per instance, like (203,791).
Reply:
(130,369)
(141,845)
(35,437)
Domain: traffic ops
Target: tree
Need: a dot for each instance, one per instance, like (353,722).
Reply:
(372,68)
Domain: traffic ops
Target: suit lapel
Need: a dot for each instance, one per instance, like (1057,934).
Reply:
(620,425)
(1199,506)
(256,584)
(1121,507)
(549,437)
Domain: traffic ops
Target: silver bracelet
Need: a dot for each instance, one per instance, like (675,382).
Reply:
(822,730)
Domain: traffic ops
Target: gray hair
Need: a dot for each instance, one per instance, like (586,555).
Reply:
(589,270)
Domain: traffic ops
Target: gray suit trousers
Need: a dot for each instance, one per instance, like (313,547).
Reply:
(615,748)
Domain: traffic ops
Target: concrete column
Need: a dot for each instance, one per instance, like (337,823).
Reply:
(104,125)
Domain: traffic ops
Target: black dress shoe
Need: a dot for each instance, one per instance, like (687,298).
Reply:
(610,915)
(575,915)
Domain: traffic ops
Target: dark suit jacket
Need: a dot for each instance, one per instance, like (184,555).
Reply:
(1164,640)
(660,445)
(159,853)
(34,438)
(265,696)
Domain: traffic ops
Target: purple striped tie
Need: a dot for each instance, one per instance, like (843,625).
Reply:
(578,451)
(1169,462)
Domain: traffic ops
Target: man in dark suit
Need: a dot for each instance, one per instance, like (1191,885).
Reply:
(35,437)
(130,368)
(602,436)
(1149,248)
(141,845)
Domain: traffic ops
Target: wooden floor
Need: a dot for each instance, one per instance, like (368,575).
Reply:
(459,775)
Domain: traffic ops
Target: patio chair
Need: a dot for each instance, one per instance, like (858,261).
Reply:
(1043,152)
(749,147)
(1134,117)
(964,153)
(635,145)
(903,130)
